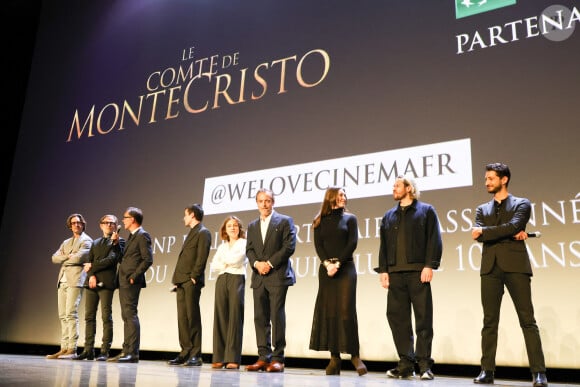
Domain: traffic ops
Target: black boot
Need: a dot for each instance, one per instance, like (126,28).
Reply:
(333,367)
(360,367)
(87,353)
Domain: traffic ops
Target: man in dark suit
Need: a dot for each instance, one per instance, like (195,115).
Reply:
(271,242)
(500,225)
(188,279)
(136,259)
(101,270)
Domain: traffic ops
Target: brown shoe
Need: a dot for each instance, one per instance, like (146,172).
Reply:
(232,366)
(217,365)
(333,367)
(260,365)
(275,366)
(56,355)
(69,354)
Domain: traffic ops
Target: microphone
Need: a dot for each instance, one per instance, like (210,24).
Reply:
(116,231)
(535,234)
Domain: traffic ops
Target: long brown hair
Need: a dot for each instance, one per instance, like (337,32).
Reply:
(326,207)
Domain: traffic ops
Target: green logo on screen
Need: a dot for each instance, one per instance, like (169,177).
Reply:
(464,8)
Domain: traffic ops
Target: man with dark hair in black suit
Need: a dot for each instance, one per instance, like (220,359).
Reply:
(188,279)
(500,225)
(136,259)
(271,242)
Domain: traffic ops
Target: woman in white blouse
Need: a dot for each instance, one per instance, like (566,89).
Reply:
(228,324)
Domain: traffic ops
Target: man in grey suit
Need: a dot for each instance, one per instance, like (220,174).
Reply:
(271,242)
(136,259)
(500,225)
(71,255)
(188,279)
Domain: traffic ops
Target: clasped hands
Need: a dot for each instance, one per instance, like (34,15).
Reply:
(263,267)
(332,268)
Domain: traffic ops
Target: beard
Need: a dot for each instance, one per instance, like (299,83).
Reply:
(493,189)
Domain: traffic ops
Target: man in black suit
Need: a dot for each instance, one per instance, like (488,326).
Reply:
(136,259)
(500,225)
(271,242)
(188,279)
(101,270)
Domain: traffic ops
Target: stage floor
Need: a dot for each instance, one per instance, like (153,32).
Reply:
(29,370)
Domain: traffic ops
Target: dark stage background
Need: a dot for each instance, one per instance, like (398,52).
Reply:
(298,88)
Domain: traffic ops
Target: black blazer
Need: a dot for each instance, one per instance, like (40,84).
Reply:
(104,257)
(278,246)
(193,257)
(498,231)
(136,259)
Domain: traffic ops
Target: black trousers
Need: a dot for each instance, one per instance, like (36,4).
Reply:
(270,321)
(189,319)
(492,290)
(129,299)
(406,291)
(92,299)
(228,321)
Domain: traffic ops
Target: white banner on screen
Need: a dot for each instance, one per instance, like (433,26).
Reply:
(435,166)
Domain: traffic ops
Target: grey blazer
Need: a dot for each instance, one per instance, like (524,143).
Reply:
(72,267)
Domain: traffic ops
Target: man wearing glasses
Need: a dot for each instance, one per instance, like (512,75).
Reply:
(137,258)
(101,283)
(71,255)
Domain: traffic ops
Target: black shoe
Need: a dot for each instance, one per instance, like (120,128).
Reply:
(128,359)
(540,379)
(177,361)
(427,375)
(401,373)
(114,359)
(86,354)
(193,362)
(104,356)
(484,377)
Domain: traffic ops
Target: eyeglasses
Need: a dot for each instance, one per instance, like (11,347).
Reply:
(76,222)
(109,223)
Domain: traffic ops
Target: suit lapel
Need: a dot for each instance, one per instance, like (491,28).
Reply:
(188,238)
(131,239)
(509,205)
(491,208)
(257,231)
(271,226)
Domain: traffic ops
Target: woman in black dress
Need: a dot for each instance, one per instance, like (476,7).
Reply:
(334,325)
